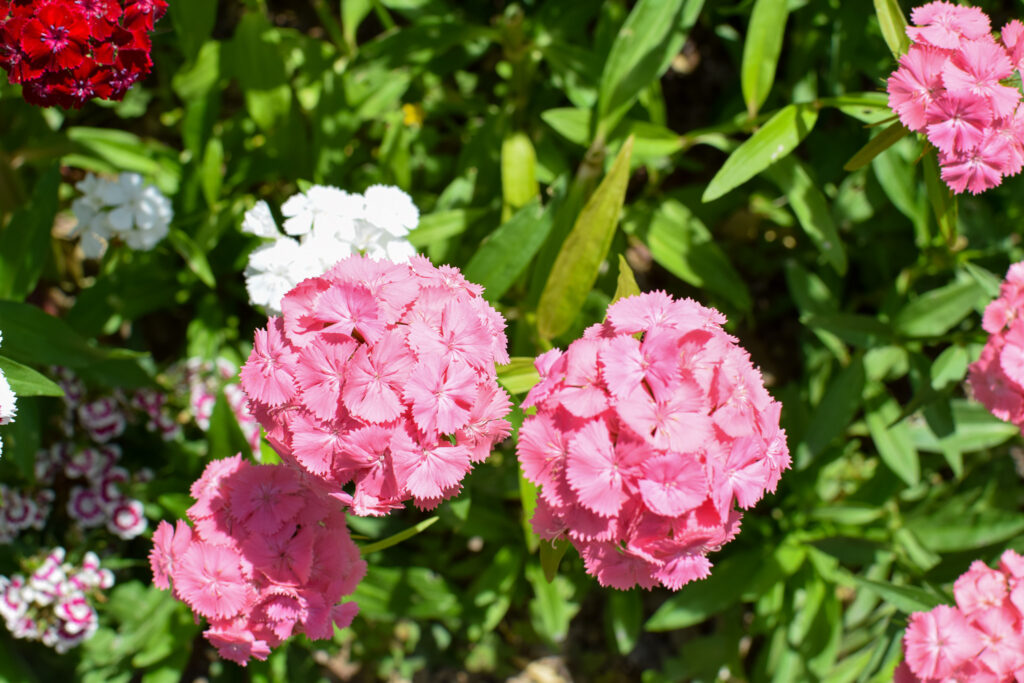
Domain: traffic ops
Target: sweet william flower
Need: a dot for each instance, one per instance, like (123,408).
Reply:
(648,432)
(997,377)
(381,374)
(125,208)
(66,52)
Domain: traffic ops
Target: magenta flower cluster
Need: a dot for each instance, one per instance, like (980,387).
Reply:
(52,604)
(648,431)
(267,557)
(383,375)
(997,377)
(953,84)
(979,639)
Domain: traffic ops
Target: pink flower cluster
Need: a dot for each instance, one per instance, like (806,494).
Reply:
(267,557)
(382,374)
(954,86)
(202,380)
(997,377)
(980,639)
(647,431)
(52,604)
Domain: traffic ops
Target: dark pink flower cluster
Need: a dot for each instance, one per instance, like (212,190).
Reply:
(382,374)
(954,86)
(66,52)
(997,377)
(267,557)
(647,431)
(980,639)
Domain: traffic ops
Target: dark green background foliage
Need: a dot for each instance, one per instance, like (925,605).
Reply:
(857,292)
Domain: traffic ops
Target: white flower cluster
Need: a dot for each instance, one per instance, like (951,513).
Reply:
(52,604)
(8,401)
(329,224)
(126,208)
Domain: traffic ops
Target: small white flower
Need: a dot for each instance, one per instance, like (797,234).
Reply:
(389,208)
(127,208)
(322,208)
(8,402)
(273,270)
(259,222)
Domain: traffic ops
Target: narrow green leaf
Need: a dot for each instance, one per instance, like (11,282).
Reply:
(935,312)
(25,381)
(858,330)
(352,14)
(811,209)
(761,49)
(683,245)
(506,253)
(940,197)
(988,280)
(212,171)
(624,615)
(194,257)
(399,537)
(441,225)
(907,599)
(974,429)
(576,267)
(773,141)
(876,145)
(25,241)
(551,554)
(837,407)
(626,284)
(894,26)
(518,376)
(224,437)
(572,124)
(652,35)
(893,441)
(949,367)
(193,22)
(552,607)
(967,532)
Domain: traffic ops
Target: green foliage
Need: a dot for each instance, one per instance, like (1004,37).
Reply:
(563,155)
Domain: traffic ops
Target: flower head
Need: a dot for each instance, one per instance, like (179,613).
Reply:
(648,432)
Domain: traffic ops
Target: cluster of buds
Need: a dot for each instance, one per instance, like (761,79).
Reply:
(21,511)
(52,604)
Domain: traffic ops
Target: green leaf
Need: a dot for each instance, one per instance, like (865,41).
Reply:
(893,25)
(743,576)
(519,375)
(25,242)
(25,381)
(506,253)
(811,209)
(893,441)
(837,407)
(852,328)
(572,124)
(225,438)
(773,141)
(395,539)
(193,21)
(255,58)
(949,367)
(552,607)
(551,554)
(974,429)
(518,172)
(442,225)
(935,312)
(967,532)
(684,246)
(761,50)
(352,14)
(212,172)
(907,599)
(194,257)
(944,205)
(876,145)
(988,280)
(652,35)
(626,284)
(576,267)
(624,615)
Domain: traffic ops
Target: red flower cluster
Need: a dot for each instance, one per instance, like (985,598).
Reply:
(66,52)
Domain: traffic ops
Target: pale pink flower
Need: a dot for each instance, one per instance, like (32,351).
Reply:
(944,24)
